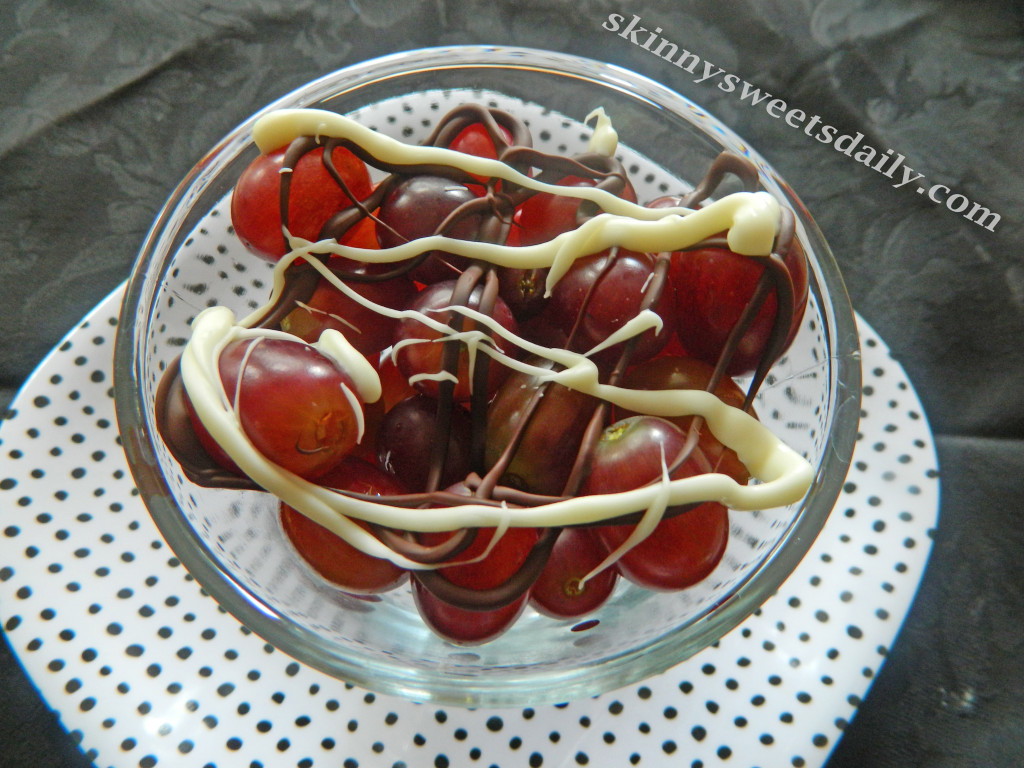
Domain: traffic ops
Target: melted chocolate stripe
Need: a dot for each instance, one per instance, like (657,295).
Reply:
(782,282)
(651,297)
(489,483)
(725,163)
(606,267)
(340,223)
(480,397)
(496,597)
(427,555)
(300,282)
(461,294)
(295,152)
(492,119)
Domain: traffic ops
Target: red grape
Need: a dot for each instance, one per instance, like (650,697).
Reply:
(522,289)
(713,286)
(475,140)
(505,558)
(313,198)
(548,447)
(682,549)
(426,357)
(524,292)
(405,443)
(463,626)
(395,387)
(600,294)
(558,591)
(675,372)
(416,207)
(363,235)
(367,331)
(680,552)
(544,215)
(333,557)
(291,403)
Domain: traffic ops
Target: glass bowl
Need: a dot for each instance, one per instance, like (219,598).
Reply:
(232,541)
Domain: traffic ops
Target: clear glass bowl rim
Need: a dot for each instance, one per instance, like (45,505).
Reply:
(519,688)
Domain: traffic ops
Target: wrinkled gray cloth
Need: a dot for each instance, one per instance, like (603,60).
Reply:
(105,106)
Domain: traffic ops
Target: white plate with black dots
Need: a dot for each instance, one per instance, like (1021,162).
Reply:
(144,669)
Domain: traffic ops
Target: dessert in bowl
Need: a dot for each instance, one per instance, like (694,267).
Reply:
(541,474)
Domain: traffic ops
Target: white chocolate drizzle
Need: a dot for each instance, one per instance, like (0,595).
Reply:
(605,139)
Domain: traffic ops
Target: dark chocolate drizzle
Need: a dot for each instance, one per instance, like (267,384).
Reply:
(494,207)
(497,597)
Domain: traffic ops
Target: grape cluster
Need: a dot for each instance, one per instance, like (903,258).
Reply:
(458,419)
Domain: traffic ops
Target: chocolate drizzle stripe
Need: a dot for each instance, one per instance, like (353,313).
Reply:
(497,597)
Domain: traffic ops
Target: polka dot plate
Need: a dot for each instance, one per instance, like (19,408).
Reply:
(146,670)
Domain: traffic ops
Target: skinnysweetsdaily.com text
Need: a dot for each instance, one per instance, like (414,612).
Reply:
(888,163)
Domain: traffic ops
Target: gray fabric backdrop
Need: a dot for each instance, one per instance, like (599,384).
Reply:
(105,105)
